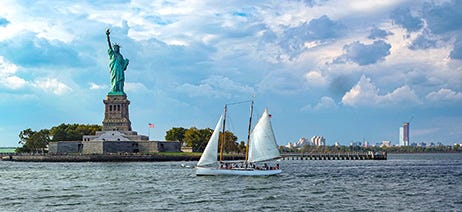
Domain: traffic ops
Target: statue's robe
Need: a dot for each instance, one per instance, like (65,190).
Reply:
(117,65)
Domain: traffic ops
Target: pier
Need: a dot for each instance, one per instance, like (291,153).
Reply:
(180,157)
(336,156)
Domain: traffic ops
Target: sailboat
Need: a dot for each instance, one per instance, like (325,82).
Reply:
(261,148)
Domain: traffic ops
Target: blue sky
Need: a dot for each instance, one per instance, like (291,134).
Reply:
(346,70)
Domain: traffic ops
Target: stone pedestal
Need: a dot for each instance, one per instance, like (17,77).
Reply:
(116,116)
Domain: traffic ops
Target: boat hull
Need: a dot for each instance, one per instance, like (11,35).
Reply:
(203,171)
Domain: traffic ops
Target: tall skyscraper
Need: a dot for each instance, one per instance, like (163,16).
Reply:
(404,134)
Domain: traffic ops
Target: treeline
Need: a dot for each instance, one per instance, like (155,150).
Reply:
(197,139)
(37,141)
(400,149)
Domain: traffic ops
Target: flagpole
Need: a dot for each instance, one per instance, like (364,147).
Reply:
(150,125)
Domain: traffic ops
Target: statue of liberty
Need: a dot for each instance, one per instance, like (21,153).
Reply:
(117,65)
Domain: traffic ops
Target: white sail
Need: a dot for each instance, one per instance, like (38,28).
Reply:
(209,156)
(262,144)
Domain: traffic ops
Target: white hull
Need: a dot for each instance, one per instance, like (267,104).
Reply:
(203,171)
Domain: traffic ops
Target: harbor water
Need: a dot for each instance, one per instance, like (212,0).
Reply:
(409,182)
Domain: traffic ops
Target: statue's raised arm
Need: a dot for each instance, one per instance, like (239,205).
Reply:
(108,39)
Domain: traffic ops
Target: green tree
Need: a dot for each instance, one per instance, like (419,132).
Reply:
(197,138)
(242,147)
(175,134)
(33,141)
(230,144)
(72,132)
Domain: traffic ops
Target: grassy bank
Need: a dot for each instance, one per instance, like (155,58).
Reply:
(7,150)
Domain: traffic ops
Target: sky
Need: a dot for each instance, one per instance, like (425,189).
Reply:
(346,70)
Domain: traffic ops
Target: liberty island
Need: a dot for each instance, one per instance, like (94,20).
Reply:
(117,135)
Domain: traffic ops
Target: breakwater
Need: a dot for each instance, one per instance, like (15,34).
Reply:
(336,156)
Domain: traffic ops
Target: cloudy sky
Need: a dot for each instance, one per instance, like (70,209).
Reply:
(346,70)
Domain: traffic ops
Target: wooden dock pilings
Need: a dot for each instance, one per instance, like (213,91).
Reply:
(336,156)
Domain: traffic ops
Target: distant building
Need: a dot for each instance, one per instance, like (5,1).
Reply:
(299,144)
(318,141)
(401,136)
(355,144)
(315,141)
(386,144)
(404,134)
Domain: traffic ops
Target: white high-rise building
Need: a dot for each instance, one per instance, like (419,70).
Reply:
(404,134)
(318,141)
(401,137)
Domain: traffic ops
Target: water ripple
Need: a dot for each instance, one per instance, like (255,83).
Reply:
(404,182)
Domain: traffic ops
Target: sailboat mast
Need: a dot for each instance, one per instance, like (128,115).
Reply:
(223,134)
(248,133)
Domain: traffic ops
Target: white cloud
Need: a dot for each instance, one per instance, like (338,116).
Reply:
(324,104)
(7,75)
(94,86)
(47,24)
(315,78)
(52,85)
(135,86)
(7,68)
(444,94)
(365,93)
(13,82)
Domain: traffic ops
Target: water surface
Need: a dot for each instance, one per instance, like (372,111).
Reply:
(410,182)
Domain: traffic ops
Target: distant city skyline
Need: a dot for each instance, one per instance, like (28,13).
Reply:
(350,71)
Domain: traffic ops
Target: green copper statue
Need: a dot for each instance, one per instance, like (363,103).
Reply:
(117,65)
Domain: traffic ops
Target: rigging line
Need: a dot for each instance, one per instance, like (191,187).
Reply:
(235,103)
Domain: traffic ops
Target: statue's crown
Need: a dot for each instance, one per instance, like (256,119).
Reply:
(116,44)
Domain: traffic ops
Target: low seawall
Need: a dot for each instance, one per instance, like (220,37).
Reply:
(108,158)
(180,157)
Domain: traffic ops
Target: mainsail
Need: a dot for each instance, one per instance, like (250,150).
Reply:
(209,156)
(262,144)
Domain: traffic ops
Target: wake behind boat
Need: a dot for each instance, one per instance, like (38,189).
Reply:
(261,145)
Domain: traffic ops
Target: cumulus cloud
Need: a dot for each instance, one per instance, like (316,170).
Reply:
(444,94)
(404,18)
(315,78)
(52,85)
(364,54)
(28,51)
(325,103)
(365,93)
(7,75)
(443,18)
(94,86)
(377,33)
(456,52)
(135,86)
(13,82)
(423,41)
(7,68)
(320,29)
